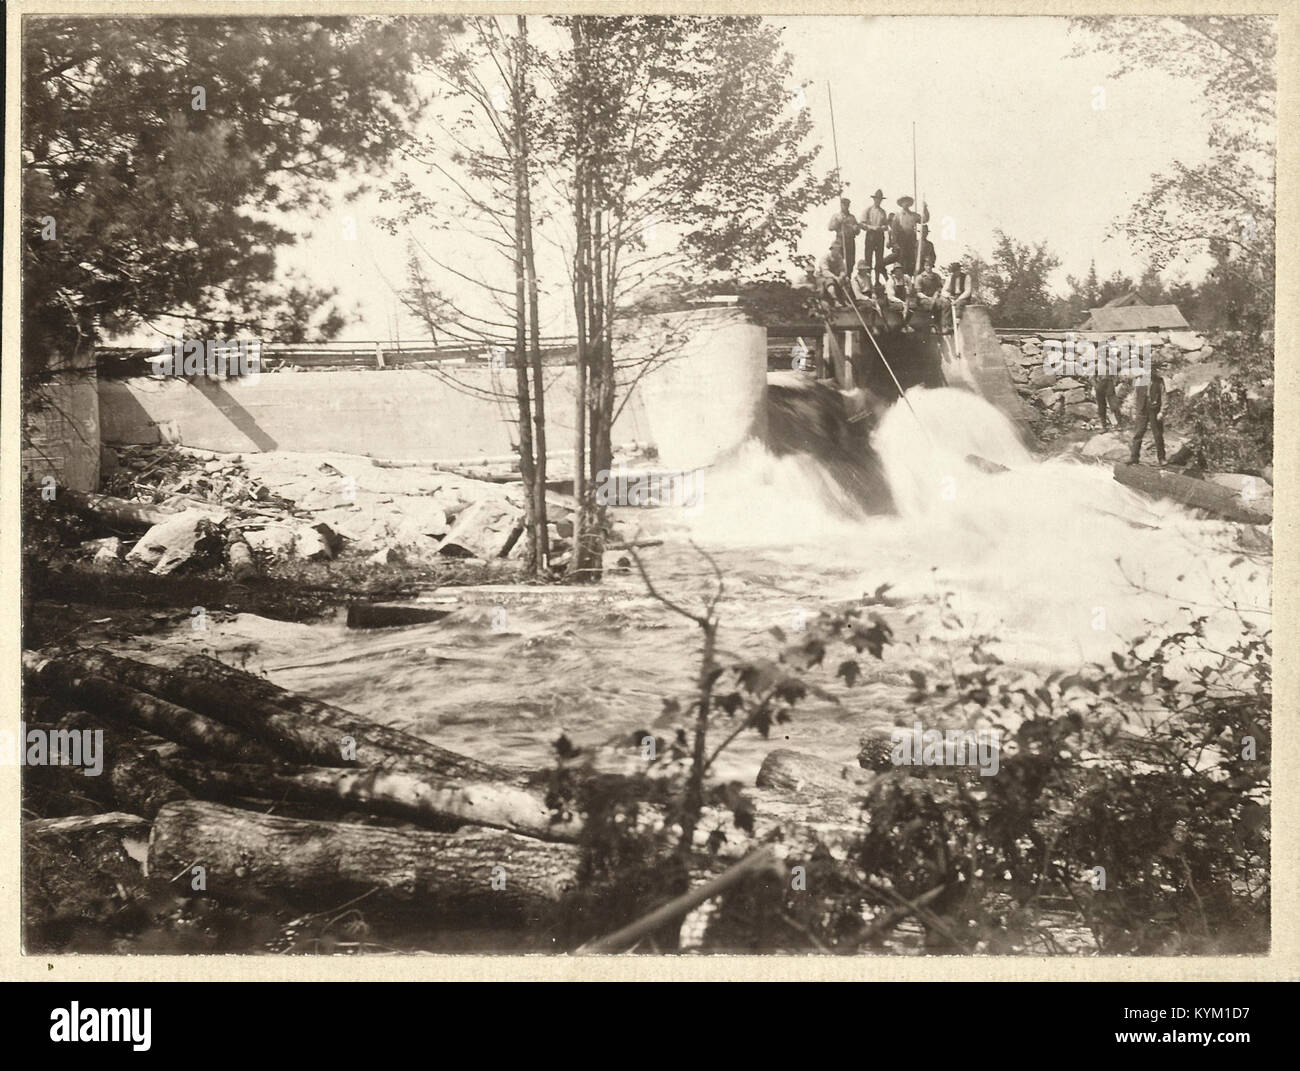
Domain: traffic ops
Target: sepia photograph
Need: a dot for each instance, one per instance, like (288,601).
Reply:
(561,484)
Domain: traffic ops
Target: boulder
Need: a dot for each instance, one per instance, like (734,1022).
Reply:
(1043,379)
(189,536)
(1187,341)
(275,540)
(1081,411)
(1068,383)
(484,529)
(1074,395)
(1107,446)
(104,551)
(1046,397)
(317,542)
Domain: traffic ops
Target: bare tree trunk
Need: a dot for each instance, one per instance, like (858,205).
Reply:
(537,488)
(526,466)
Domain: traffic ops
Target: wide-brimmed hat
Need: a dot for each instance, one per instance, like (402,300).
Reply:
(955,266)
(906,201)
(896,267)
(878,195)
(864,265)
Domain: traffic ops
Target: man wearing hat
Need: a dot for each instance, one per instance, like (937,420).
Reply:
(904,228)
(874,221)
(959,287)
(846,229)
(898,295)
(831,276)
(1148,403)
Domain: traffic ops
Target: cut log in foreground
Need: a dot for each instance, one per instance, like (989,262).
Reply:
(159,716)
(289,735)
(1199,494)
(500,876)
(394,614)
(418,797)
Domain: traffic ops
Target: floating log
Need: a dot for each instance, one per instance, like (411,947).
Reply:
(65,678)
(1199,494)
(418,797)
(393,614)
(496,875)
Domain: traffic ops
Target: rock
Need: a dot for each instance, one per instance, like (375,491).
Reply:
(1107,446)
(1011,354)
(1267,473)
(1046,397)
(1043,379)
(1081,411)
(386,556)
(1187,341)
(1031,343)
(214,466)
(1068,383)
(276,540)
(1255,538)
(189,536)
(1074,395)
(104,551)
(484,529)
(317,542)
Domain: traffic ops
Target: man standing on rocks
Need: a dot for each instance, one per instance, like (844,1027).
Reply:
(1148,401)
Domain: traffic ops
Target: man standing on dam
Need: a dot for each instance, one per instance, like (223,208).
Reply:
(873,223)
(846,229)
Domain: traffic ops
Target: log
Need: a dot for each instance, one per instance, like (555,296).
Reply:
(139,708)
(290,735)
(243,566)
(376,745)
(393,614)
(116,512)
(1198,494)
(792,771)
(78,824)
(440,874)
(418,797)
(140,784)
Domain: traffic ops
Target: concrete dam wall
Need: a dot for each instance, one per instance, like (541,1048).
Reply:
(692,383)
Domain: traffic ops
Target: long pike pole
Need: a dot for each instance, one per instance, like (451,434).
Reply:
(835,145)
(839,175)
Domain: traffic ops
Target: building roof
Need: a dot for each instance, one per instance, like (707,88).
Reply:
(1137,318)
(1124,301)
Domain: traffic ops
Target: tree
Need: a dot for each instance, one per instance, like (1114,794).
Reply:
(1016,283)
(485,189)
(157,152)
(1225,205)
(681,126)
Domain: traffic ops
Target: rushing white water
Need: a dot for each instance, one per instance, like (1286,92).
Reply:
(1054,557)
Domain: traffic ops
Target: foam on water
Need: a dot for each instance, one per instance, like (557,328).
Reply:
(1055,556)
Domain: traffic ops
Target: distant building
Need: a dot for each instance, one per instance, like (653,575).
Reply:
(1128,312)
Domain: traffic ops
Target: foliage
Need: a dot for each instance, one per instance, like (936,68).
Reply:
(1224,205)
(1016,282)
(1129,813)
(161,150)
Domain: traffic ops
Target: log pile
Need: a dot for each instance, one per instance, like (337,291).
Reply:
(265,791)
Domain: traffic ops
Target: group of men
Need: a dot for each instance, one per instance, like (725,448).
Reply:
(896,275)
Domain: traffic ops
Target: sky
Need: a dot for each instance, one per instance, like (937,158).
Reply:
(1011,134)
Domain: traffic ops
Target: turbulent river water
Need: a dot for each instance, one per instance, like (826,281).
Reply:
(1053,557)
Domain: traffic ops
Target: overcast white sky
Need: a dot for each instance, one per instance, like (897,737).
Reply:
(1008,137)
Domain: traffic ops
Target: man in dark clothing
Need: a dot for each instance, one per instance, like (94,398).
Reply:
(1106,393)
(1148,401)
(846,229)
